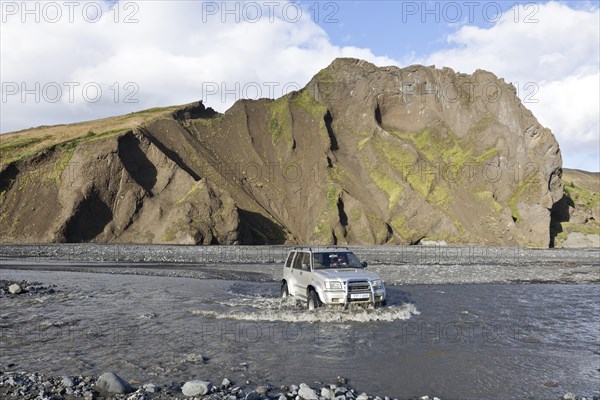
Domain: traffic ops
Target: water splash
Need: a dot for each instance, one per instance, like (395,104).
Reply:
(260,308)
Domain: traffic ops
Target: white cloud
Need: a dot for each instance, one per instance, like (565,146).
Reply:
(560,53)
(173,52)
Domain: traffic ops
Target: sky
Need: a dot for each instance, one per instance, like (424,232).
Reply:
(63,62)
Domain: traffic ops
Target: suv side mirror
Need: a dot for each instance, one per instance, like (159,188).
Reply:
(304,267)
(364,264)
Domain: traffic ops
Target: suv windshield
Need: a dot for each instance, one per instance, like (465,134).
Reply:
(336,260)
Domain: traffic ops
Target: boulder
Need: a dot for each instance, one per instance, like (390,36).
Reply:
(112,383)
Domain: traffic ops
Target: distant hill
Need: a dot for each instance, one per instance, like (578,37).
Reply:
(361,155)
(576,217)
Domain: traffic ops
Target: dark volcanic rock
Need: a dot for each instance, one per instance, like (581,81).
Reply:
(361,155)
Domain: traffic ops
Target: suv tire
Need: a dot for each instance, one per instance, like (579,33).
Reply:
(313,302)
(284,290)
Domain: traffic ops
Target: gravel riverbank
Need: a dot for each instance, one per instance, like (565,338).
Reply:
(32,386)
(396,264)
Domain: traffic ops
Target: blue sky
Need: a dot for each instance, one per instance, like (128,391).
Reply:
(160,53)
(416,27)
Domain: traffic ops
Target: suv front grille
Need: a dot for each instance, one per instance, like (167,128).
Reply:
(359,286)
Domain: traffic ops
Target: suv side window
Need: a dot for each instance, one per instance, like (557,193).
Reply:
(298,261)
(305,259)
(301,258)
(288,263)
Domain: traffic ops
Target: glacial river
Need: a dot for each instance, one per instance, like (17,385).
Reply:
(496,341)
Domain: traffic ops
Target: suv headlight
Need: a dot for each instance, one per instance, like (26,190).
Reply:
(377,284)
(333,285)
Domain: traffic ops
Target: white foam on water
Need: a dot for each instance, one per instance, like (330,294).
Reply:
(146,316)
(248,308)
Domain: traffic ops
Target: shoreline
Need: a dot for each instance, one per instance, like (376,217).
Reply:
(110,386)
(398,265)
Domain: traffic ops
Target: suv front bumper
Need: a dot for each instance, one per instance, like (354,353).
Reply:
(342,297)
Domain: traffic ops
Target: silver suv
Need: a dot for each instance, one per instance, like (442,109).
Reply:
(332,276)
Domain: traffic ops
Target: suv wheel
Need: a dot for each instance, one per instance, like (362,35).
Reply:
(380,304)
(284,290)
(313,302)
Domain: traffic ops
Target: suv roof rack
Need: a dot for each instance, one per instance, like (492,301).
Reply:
(321,248)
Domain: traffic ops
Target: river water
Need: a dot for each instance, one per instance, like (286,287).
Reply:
(452,341)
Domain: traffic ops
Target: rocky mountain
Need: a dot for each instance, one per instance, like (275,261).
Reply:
(361,155)
(576,217)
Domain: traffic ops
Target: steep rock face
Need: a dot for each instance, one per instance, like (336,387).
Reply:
(449,156)
(118,189)
(361,155)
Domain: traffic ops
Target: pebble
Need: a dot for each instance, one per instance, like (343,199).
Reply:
(15,289)
(262,389)
(67,381)
(253,395)
(327,393)
(307,393)
(151,388)
(196,388)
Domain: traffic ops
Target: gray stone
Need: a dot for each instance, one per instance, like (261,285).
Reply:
(151,388)
(67,381)
(262,389)
(307,393)
(193,358)
(253,395)
(196,388)
(15,289)
(362,396)
(226,382)
(112,383)
(327,393)
(569,396)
